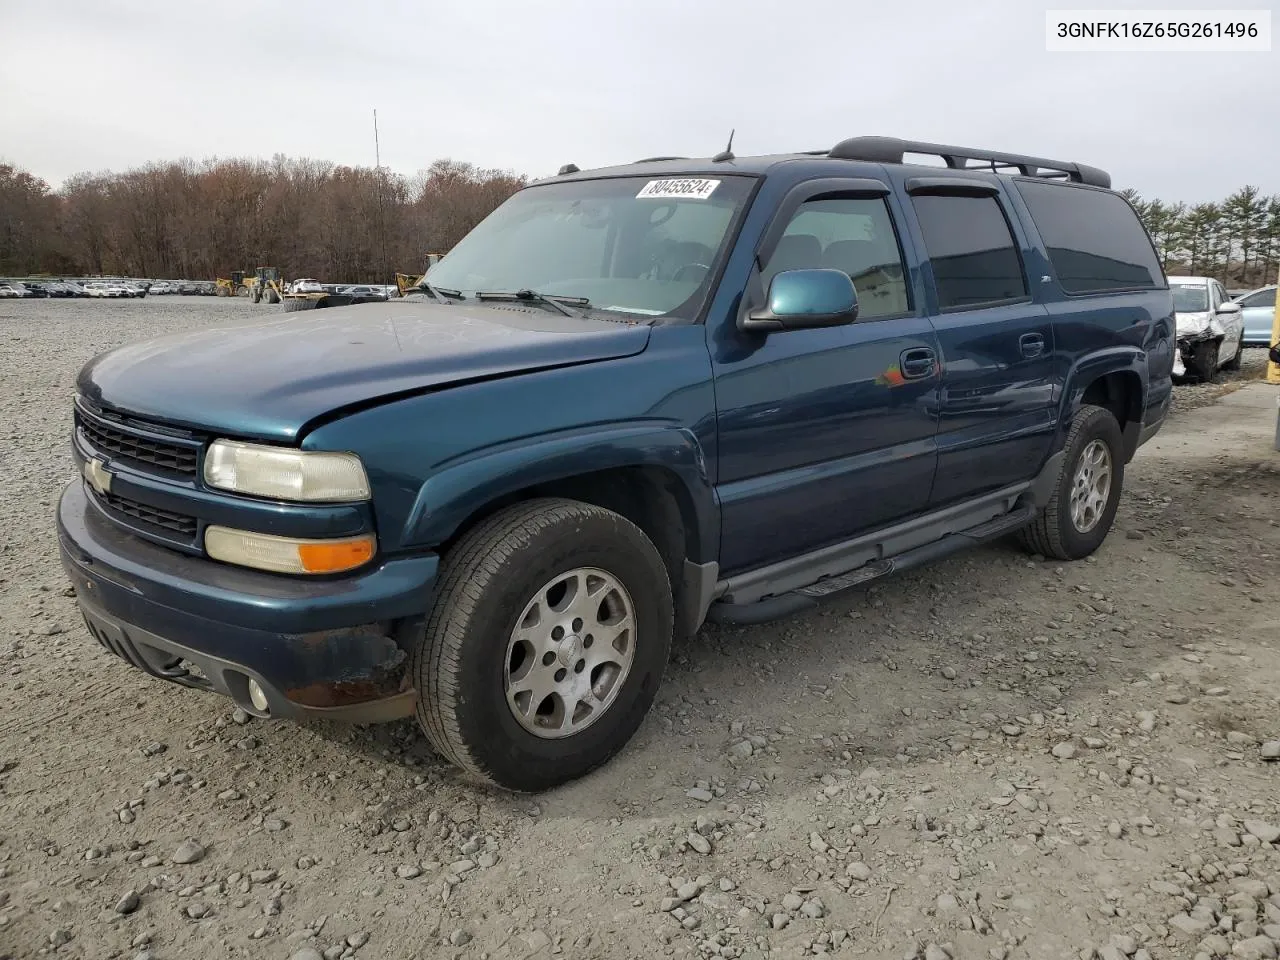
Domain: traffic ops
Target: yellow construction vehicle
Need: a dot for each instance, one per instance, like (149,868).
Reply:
(234,287)
(266,284)
(406,281)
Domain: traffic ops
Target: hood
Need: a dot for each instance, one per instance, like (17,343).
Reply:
(1192,324)
(269,380)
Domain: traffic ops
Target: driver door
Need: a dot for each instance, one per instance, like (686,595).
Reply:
(826,433)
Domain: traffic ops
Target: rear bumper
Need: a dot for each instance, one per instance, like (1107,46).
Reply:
(336,648)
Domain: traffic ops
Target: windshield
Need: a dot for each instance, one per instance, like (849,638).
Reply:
(1188,298)
(636,245)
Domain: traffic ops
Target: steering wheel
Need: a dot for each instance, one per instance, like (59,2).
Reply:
(655,218)
(691,266)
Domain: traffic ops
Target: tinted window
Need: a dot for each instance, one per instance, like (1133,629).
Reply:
(972,251)
(1263,298)
(1095,240)
(855,236)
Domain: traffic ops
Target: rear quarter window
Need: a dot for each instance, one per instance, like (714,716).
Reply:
(1094,239)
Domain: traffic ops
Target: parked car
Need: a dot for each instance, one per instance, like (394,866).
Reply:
(160,288)
(307,285)
(629,400)
(1258,310)
(12,291)
(35,288)
(105,288)
(74,289)
(1210,328)
(364,291)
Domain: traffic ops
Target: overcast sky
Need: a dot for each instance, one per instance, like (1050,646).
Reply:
(108,84)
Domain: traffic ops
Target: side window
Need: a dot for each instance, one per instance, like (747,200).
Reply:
(1263,298)
(969,243)
(851,234)
(1095,241)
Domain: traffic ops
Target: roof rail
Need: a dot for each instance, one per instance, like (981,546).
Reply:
(891,150)
(656,159)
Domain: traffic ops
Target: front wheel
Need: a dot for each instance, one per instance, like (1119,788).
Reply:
(1205,360)
(1085,496)
(546,644)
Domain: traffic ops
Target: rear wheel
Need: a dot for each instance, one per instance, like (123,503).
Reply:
(1085,496)
(1204,360)
(546,644)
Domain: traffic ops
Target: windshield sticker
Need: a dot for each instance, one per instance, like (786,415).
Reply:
(688,189)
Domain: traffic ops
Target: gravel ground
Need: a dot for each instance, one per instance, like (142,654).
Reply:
(994,757)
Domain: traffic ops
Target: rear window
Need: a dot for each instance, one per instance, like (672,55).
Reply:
(1095,241)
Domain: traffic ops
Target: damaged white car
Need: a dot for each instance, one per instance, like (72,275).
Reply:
(1210,328)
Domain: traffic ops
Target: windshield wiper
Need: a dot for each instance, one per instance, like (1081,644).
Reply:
(532,296)
(441,294)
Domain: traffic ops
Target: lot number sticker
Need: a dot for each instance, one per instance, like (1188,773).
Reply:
(688,189)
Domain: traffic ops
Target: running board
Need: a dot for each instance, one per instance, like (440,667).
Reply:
(804,598)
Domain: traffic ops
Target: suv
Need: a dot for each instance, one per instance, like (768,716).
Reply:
(629,400)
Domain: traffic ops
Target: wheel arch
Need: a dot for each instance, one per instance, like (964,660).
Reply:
(1117,381)
(655,476)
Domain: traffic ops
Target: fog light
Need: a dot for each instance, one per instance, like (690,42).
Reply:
(257,696)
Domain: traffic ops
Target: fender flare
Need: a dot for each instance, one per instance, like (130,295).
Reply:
(1086,370)
(460,489)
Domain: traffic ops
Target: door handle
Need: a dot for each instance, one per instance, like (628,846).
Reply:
(917,364)
(1032,345)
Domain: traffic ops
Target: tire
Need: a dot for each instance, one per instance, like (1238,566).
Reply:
(1234,362)
(1055,533)
(469,651)
(1204,360)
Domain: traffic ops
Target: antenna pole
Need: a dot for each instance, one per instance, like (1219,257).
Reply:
(382,215)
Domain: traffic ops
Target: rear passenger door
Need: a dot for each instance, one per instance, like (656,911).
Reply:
(825,433)
(998,378)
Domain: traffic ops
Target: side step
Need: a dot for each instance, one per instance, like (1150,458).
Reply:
(806,598)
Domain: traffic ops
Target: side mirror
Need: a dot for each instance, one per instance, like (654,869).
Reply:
(1274,353)
(804,299)
(1228,306)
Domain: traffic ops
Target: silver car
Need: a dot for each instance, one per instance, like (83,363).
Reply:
(1210,332)
(1259,311)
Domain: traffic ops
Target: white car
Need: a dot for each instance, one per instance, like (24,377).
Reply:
(159,288)
(101,289)
(8,290)
(1210,328)
(306,285)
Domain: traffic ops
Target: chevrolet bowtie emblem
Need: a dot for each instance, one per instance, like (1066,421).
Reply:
(99,477)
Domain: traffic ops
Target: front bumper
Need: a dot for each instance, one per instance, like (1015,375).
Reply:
(332,647)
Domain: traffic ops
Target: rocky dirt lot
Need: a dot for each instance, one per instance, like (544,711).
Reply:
(995,757)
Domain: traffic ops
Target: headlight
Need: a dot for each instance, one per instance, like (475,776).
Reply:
(287,554)
(283,474)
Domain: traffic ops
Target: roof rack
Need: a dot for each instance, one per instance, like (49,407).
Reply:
(892,150)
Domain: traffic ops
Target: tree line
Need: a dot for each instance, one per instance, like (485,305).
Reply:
(1236,240)
(189,220)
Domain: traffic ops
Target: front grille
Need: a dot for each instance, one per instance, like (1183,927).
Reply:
(119,440)
(166,520)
